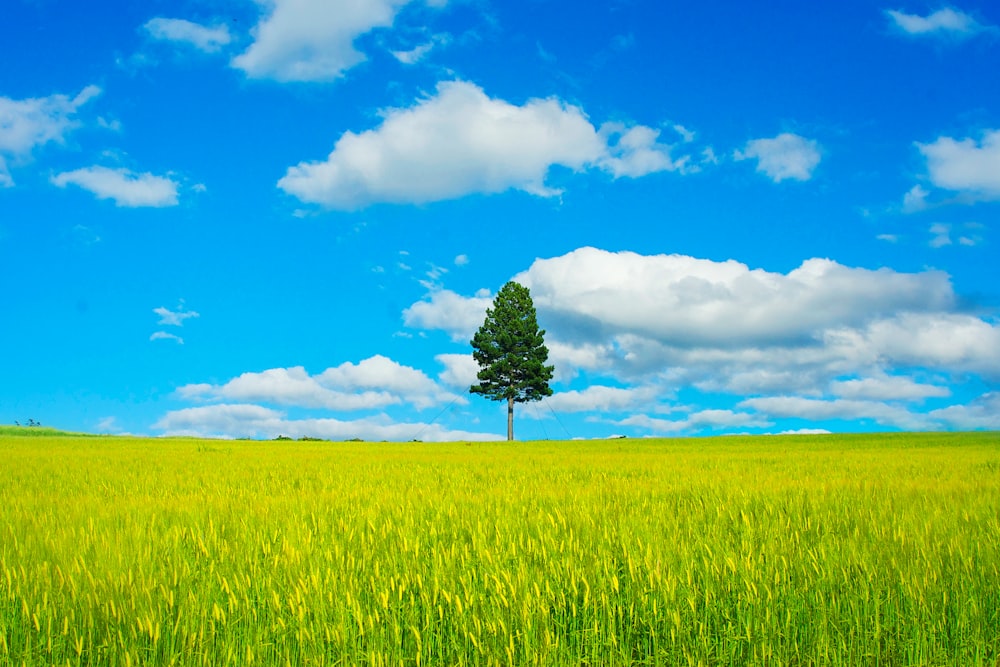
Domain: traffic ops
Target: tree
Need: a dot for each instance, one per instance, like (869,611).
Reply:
(511,353)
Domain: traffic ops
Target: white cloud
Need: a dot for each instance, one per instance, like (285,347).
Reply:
(888,238)
(313,40)
(786,156)
(965,166)
(460,316)
(915,199)
(460,142)
(723,327)
(163,335)
(30,123)
(603,398)
(461,260)
(799,407)
(174,318)
(242,420)
(982,413)
(460,370)
(375,382)
(887,388)
(204,38)
(946,22)
(125,187)
(712,419)
(941,233)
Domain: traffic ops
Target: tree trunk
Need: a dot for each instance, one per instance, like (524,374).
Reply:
(510,418)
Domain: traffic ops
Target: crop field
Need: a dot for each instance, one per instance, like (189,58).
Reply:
(781,550)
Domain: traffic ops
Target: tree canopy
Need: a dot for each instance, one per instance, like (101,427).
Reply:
(510,350)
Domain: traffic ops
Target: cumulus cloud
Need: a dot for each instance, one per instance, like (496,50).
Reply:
(254,421)
(724,327)
(915,200)
(459,370)
(461,141)
(966,166)
(204,38)
(125,187)
(313,40)
(443,309)
(375,382)
(786,156)
(982,413)
(31,123)
(946,22)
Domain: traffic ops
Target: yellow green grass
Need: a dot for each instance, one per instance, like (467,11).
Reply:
(840,550)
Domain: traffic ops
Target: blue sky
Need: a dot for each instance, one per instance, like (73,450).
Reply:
(245,219)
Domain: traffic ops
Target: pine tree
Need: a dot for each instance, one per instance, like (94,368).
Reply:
(511,353)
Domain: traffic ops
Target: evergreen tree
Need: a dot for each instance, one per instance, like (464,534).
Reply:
(511,353)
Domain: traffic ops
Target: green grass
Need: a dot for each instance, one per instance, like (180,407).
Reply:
(785,550)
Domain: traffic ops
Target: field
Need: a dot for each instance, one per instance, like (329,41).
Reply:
(782,550)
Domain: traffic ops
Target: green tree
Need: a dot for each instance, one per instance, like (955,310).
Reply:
(511,353)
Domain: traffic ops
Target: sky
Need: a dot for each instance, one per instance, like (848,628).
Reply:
(252,218)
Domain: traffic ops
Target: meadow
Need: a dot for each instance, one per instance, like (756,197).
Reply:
(781,550)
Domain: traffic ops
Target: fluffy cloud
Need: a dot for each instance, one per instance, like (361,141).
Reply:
(125,187)
(782,157)
(460,370)
(28,124)
(253,421)
(967,166)
(375,382)
(724,327)
(460,141)
(946,22)
(313,40)
(443,309)
(982,413)
(204,38)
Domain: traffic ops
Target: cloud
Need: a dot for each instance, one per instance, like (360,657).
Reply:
(163,335)
(967,166)
(447,310)
(915,200)
(204,38)
(175,318)
(313,40)
(982,413)
(887,388)
(942,235)
(125,187)
(724,327)
(375,382)
(460,370)
(946,22)
(786,156)
(461,260)
(460,142)
(712,419)
(799,407)
(31,123)
(603,398)
(253,421)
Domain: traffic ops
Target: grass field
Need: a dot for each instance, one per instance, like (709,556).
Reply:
(785,550)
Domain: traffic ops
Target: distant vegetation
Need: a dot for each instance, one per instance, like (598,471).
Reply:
(784,550)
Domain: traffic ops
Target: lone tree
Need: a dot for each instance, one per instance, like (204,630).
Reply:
(511,353)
